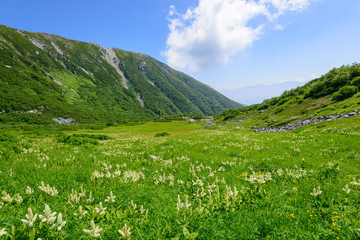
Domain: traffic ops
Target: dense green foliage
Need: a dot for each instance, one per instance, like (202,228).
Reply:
(81,139)
(58,77)
(162,134)
(193,184)
(335,92)
(356,81)
(345,92)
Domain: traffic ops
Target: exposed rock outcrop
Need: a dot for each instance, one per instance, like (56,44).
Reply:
(110,56)
(143,67)
(65,121)
(308,121)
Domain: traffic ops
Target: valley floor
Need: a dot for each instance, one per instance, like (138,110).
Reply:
(190,182)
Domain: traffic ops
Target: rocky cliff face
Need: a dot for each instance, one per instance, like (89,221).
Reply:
(88,82)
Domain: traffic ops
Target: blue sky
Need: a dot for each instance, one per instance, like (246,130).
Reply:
(227,44)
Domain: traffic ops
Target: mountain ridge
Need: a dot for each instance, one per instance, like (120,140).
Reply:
(88,82)
(255,94)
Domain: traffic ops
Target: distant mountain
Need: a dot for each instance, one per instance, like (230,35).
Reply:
(256,94)
(43,76)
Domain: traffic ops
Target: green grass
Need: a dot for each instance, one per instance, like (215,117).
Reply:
(251,185)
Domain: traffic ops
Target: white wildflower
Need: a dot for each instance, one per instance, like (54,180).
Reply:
(223,180)
(261,179)
(316,192)
(48,217)
(60,223)
(197,182)
(110,198)
(125,232)
(96,174)
(47,189)
(187,204)
(180,182)
(7,197)
(30,218)
(29,190)
(133,204)
(142,209)
(268,176)
(235,192)
(81,213)
(100,209)
(18,198)
(330,165)
(117,173)
(94,231)
(74,197)
(90,199)
(82,192)
(202,193)
(3,232)
(346,189)
(354,182)
(179,205)
(280,172)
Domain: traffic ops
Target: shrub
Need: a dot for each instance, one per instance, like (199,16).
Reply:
(316,89)
(345,92)
(82,139)
(7,138)
(227,117)
(356,81)
(282,101)
(93,136)
(274,100)
(279,109)
(162,134)
(263,106)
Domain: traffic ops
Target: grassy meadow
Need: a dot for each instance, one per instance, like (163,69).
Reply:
(189,182)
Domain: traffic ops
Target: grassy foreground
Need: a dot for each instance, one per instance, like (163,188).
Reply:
(193,183)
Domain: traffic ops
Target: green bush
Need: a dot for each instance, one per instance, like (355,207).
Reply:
(274,100)
(82,139)
(263,106)
(345,92)
(282,101)
(279,109)
(93,136)
(7,138)
(227,117)
(162,134)
(356,81)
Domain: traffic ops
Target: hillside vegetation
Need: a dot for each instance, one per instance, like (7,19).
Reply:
(43,76)
(334,93)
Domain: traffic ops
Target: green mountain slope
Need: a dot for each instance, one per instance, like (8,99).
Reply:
(58,77)
(334,93)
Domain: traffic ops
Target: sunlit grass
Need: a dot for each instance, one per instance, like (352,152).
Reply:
(193,183)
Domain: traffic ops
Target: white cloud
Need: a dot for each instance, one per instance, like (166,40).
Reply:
(207,36)
(278,27)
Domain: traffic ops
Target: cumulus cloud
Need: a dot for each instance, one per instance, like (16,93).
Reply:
(207,36)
